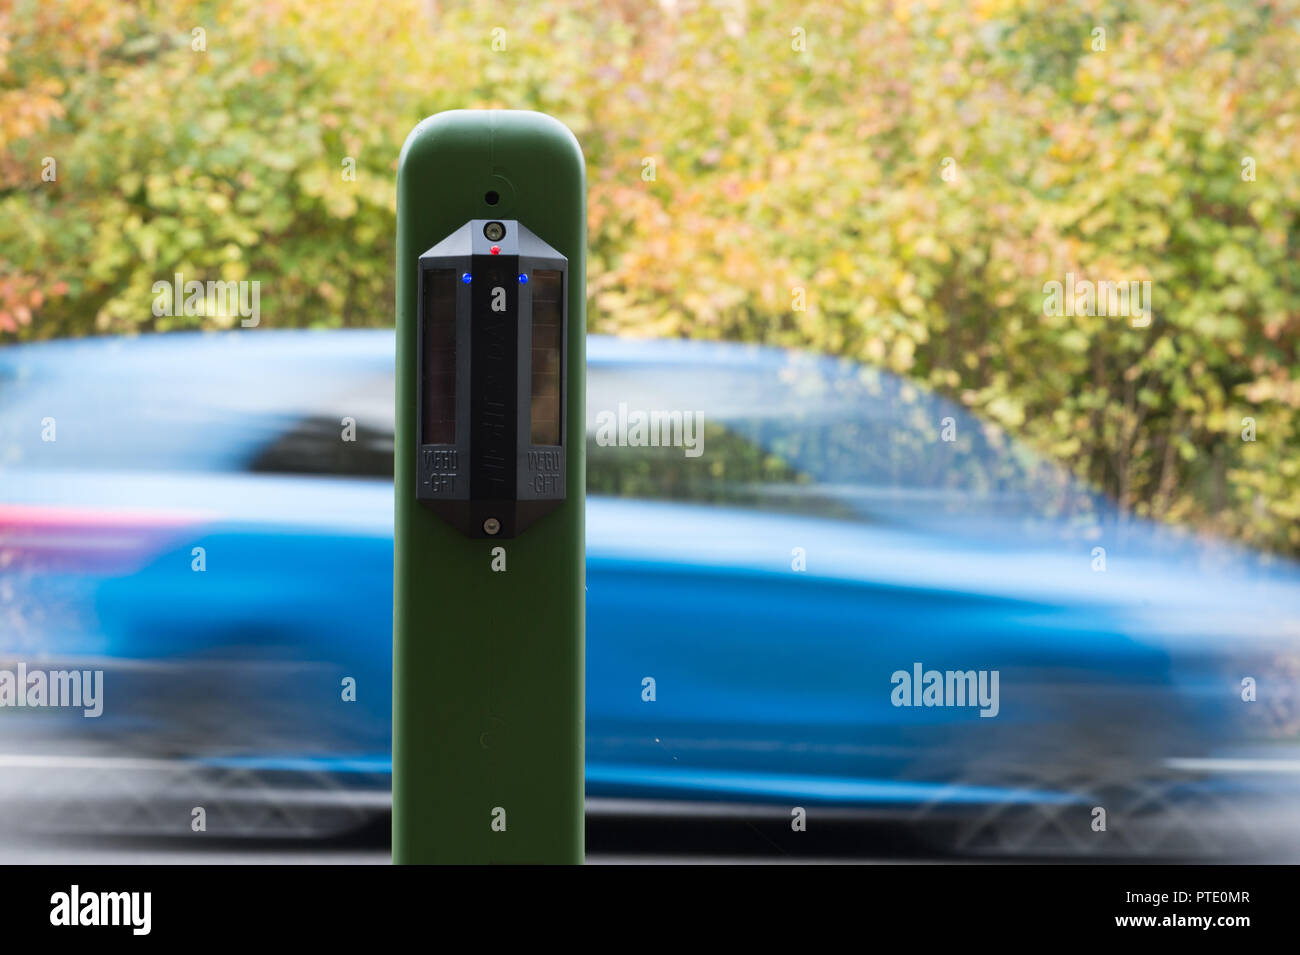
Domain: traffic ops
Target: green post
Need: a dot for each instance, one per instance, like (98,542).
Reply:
(490,481)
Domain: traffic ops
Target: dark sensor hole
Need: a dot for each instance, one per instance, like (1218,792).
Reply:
(491,198)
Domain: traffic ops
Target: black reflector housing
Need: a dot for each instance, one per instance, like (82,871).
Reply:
(493,319)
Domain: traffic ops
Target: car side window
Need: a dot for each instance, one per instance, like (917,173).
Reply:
(325,446)
(736,472)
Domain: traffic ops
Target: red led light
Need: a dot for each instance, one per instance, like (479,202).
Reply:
(495,250)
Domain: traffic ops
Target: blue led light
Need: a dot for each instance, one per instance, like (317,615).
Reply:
(465,278)
(523,279)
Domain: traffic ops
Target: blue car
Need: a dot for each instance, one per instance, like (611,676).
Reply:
(821,592)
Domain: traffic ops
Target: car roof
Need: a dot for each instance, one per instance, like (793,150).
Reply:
(150,351)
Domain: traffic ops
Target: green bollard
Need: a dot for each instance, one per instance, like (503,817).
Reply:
(490,468)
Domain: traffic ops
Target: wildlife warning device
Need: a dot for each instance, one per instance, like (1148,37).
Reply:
(490,329)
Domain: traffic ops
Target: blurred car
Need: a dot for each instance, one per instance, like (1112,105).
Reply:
(207,519)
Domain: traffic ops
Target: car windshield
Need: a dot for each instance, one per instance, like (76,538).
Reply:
(824,437)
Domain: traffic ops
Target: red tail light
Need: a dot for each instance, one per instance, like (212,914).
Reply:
(35,538)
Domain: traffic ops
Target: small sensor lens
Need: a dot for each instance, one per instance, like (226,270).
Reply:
(494,231)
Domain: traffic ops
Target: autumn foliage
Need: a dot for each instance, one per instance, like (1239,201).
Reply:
(895,182)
